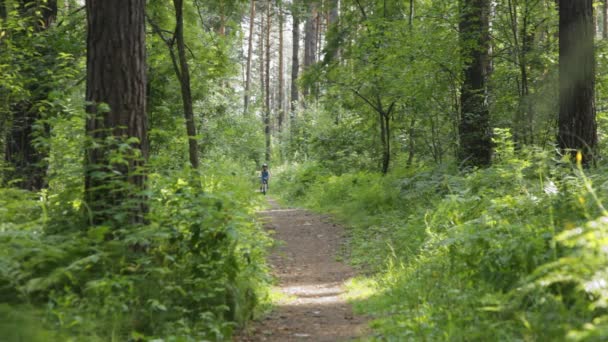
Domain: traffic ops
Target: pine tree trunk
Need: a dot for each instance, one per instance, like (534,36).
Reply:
(295,59)
(475,134)
(605,19)
(184,78)
(116,98)
(262,58)
(2,9)
(310,41)
(385,135)
(267,81)
(281,95)
(577,128)
(249,55)
(411,15)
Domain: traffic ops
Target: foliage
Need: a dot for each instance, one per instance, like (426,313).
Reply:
(192,272)
(495,253)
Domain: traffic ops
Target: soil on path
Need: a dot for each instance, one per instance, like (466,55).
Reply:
(311,280)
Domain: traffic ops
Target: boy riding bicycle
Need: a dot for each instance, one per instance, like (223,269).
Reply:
(265,176)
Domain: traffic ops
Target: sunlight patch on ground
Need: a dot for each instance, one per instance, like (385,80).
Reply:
(279,210)
(360,288)
(313,294)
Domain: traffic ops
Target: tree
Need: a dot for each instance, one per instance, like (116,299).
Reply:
(295,57)
(267,81)
(605,19)
(249,55)
(310,40)
(116,104)
(183,74)
(474,127)
(281,70)
(577,128)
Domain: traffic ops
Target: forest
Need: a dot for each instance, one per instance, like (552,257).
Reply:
(460,143)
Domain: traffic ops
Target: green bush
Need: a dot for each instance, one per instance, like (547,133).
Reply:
(487,254)
(195,271)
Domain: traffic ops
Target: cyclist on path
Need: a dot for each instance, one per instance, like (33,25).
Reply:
(265,176)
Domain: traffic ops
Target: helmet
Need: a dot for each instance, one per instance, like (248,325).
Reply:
(264,164)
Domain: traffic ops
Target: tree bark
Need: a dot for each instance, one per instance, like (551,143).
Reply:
(3,9)
(249,55)
(385,136)
(184,78)
(411,145)
(295,58)
(116,104)
(474,128)
(577,128)
(261,47)
(411,15)
(334,12)
(267,81)
(281,95)
(605,19)
(310,41)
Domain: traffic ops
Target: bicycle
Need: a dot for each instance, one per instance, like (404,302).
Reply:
(264,187)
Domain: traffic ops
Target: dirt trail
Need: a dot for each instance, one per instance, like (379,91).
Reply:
(311,280)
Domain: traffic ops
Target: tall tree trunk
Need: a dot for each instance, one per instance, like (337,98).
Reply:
(577,128)
(28,162)
(411,15)
(222,28)
(281,95)
(267,81)
(184,78)
(2,9)
(475,134)
(333,23)
(310,41)
(385,135)
(116,97)
(411,144)
(262,59)
(605,19)
(334,12)
(295,58)
(249,55)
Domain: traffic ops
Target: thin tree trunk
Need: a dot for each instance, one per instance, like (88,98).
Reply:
(116,97)
(334,12)
(281,94)
(185,83)
(267,105)
(262,65)
(577,128)
(295,59)
(334,21)
(386,141)
(310,41)
(410,155)
(3,9)
(411,15)
(605,19)
(222,28)
(249,55)
(475,134)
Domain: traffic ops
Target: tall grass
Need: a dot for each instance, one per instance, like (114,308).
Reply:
(513,252)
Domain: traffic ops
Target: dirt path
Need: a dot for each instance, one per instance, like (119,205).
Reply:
(311,280)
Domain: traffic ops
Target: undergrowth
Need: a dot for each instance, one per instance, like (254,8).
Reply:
(516,251)
(194,272)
